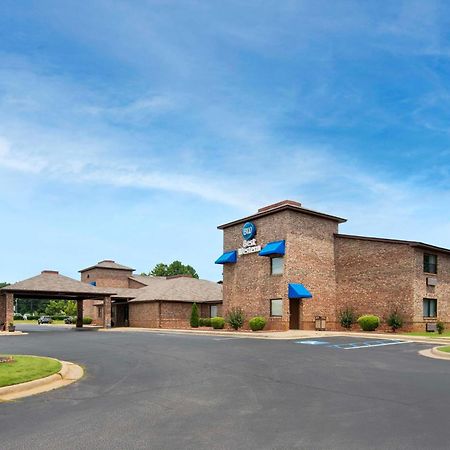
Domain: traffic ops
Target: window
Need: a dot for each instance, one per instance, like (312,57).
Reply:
(276,307)
(429,307)
(99,312)
(276,266)
(429,263)
(213,311)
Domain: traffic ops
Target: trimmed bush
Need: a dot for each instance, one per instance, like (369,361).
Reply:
(369,322)
(218,323)
(347,317)
(32,317)
(257,323)
(206,322)
(17,317)
(440,327)
(236,318)
(87,320)
(194,316)
(395,320)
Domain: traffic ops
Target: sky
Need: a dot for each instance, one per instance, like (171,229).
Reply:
(130,129)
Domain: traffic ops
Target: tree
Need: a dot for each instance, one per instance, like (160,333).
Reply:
(55,307)
(174,268)
(71,308)
(3,284)
(194,316)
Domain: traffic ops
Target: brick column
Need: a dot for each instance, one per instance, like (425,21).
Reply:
(2,311)
(9,309)
(107,312)
(79,313)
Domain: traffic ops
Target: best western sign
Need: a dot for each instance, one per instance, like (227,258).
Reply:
(249,244)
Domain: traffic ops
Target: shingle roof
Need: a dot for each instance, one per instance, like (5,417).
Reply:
(108,264)
(144,279)
(180,289)
(51,282)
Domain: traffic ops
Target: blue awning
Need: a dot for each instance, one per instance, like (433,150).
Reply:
(227,258)
(298,291)
(274,249)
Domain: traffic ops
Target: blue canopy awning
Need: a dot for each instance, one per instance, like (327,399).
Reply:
(298,291)
(274,249)
(227,258)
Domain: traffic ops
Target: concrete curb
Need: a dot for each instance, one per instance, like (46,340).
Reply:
(68,374)
(14,333)
(435,353)
(282,335)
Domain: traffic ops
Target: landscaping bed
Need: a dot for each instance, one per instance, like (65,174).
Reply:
(26,368)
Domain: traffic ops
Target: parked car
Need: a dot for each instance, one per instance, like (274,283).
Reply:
(45,319)
(69,320)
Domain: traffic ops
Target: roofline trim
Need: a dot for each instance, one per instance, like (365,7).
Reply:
(283,208)
(128,269)
(416,244)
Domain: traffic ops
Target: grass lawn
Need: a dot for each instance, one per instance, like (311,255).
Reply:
(34,322)
(444,349)
(27,368)
(445,334)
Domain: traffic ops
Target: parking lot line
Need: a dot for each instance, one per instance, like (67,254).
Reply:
(374,344)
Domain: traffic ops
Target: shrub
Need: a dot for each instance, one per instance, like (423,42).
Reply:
(347,317)
(194,316)
(440,327)
(369,322)
(236,318)
(257,323)
(218,323)
(87,320)
(32,317)
(17,317)
(395,320)
(206,322)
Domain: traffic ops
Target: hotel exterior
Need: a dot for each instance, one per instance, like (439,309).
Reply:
(291,265)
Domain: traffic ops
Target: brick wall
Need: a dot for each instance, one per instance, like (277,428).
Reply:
(375,277)
(110,278)
(309,260)
(441,291)
(144,314)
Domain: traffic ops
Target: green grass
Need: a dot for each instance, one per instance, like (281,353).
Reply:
(444,349)
(34,322)
(27,368)
(445,334)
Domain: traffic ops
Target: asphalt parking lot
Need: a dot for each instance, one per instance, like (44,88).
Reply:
(168,391)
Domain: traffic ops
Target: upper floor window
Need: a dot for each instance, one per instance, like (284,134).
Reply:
(429,307)
(429,263)
(276,266)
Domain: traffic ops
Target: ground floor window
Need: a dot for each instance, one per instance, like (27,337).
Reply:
(429,307)
(99,312)
(276,307)
(213,311)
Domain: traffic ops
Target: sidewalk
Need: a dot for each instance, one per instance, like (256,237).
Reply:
(282,335)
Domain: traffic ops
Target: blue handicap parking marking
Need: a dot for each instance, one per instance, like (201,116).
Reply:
(310,342)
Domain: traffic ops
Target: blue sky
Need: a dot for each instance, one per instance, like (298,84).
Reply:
(130,129)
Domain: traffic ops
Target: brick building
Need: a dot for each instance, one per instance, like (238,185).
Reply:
(291,265)
(147,301)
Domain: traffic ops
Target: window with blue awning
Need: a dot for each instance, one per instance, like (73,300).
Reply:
(227,258)
(277,248)
(298,291)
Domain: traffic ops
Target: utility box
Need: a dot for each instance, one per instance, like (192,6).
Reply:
(320,322)
(431,326)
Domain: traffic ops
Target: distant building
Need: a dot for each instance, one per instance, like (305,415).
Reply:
(291,265)
(147,301)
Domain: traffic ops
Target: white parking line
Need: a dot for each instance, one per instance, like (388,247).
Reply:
(368,345)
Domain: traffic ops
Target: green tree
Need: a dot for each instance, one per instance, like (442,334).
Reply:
(55,307)
(3,284)
(71,308)
(174,268)
(194,316)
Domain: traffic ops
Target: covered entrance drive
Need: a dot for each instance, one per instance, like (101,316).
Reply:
(50,285)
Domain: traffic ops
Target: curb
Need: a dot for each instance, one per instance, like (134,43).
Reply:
(435,353)
(279,336)
(68,374)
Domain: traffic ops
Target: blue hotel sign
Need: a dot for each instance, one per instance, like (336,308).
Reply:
(248,231)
